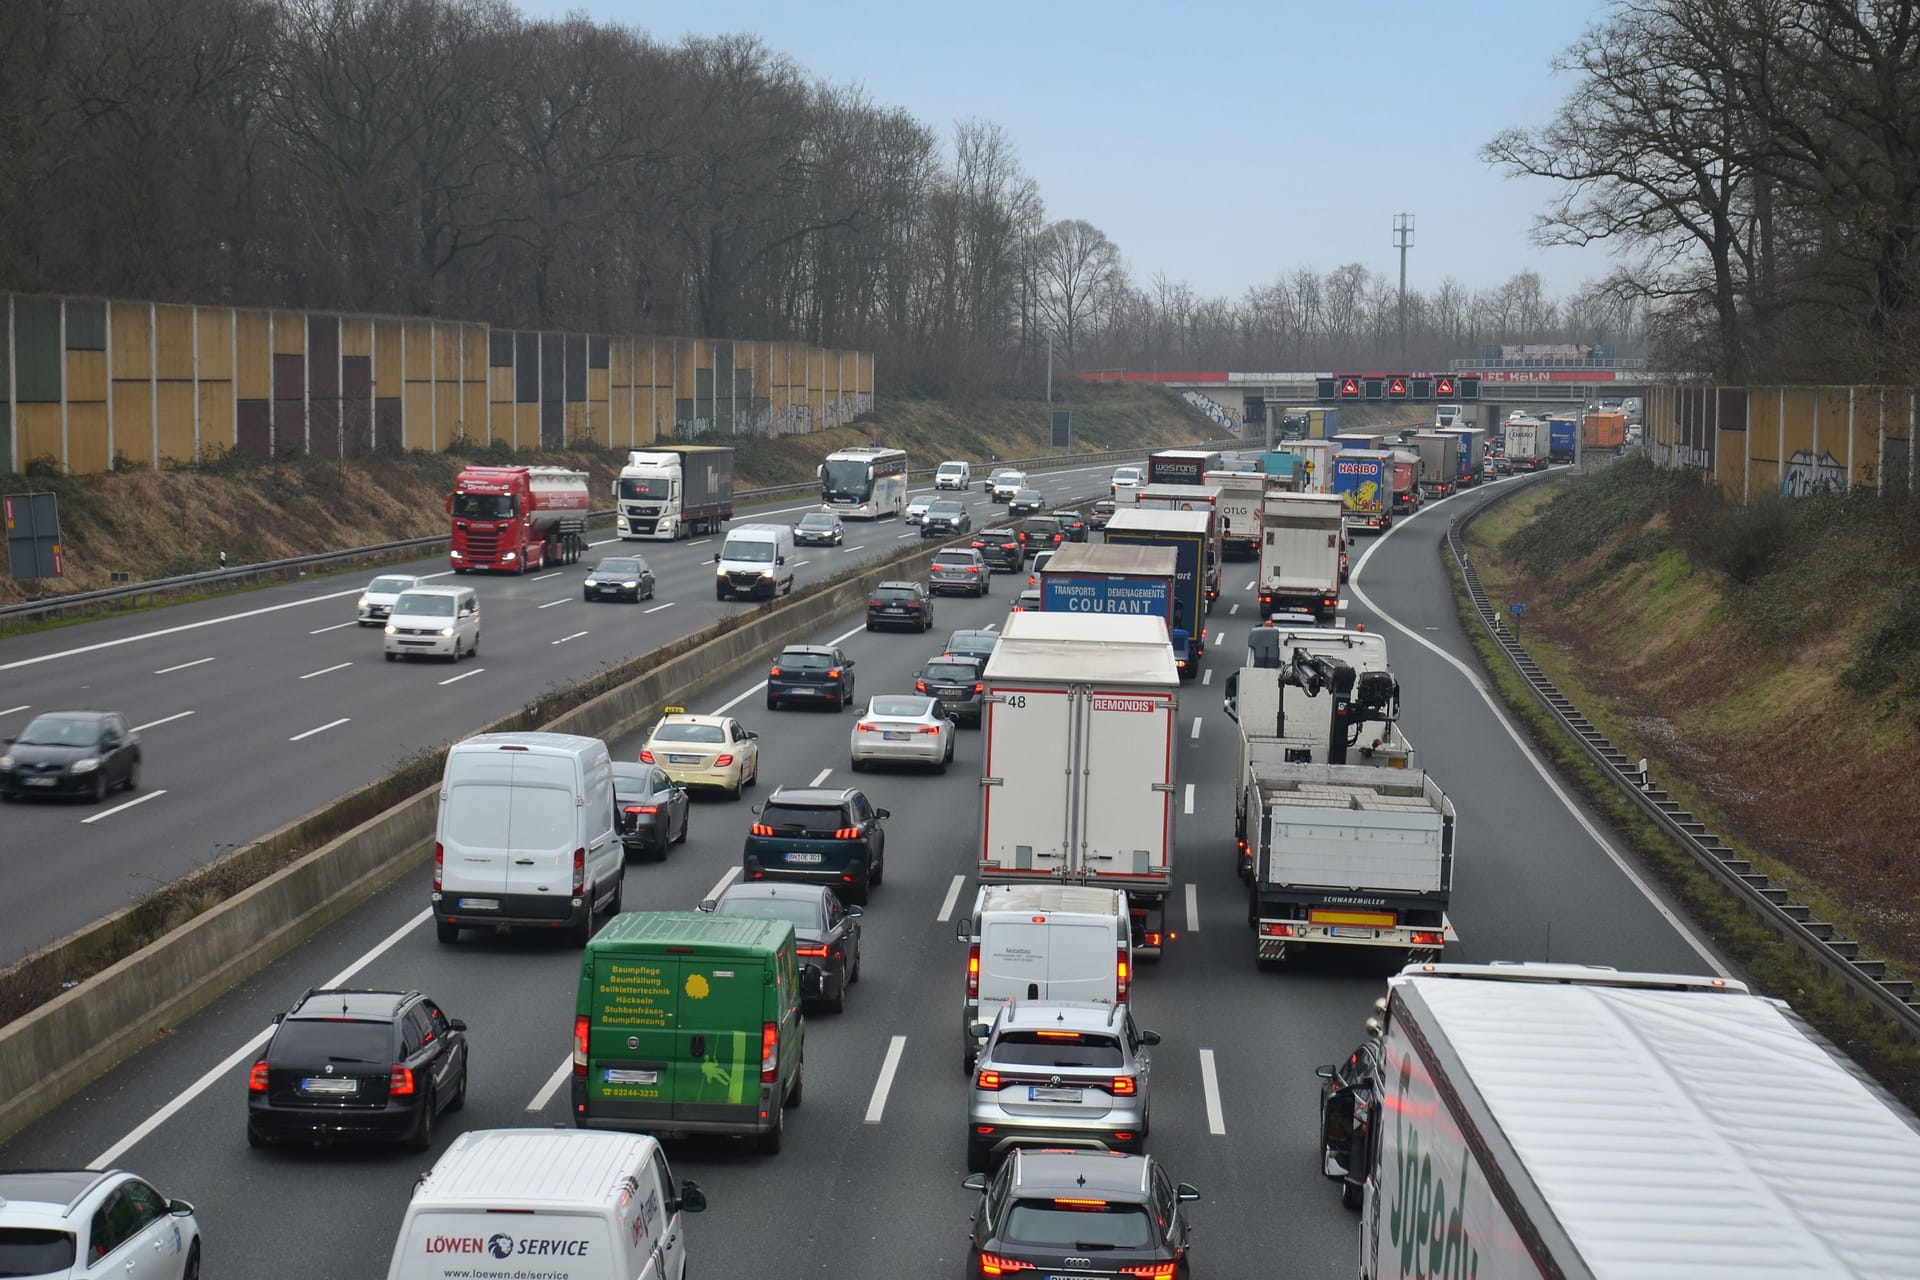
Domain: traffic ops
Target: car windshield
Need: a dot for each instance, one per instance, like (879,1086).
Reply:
(750,552)
(689,733)
(812,821)
(33,1251)
(645,487)
(389,586)
(806,661)
(483,506)
(818,520)
(418,604)
(617,569)
(1057,1049)
(805,914)
(895,593)
(1028,495)
(952,468)
(1095,1224)
(945,507)
(900,708)
(61,731)
(962,671)
(303,1041)
(953,560)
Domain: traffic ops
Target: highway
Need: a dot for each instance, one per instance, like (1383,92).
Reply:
(868,1185)
(257,709)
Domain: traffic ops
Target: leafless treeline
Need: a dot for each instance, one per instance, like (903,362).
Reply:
(452,157)
(1758,163)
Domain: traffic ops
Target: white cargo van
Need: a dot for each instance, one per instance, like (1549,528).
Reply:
(565,1204)
(443,622)
(1042,942)
(526,835)
(753,562)
(953,475)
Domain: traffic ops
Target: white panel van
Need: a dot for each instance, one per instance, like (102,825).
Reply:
(526,836)
(754,562)
(1042,942)
(953,475)
(565,1204)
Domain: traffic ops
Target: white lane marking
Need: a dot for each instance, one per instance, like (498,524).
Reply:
(798,563)
(603,542)
(991,626)
(331,724)
(151,724)
(1252,585)
(720,885)
(820,777)
(1343,602)
(106,1159)
(462,676)
(108,813)
(563,639)
(701,542)
(1193,907)
(1189,805)
(195,663)
(549,604)
(846,634)
(542,577)
(1234,609)
(1500,717)
(552,1086)
(25,706)
(736,700)
(877,1107)
(1206,677)
(911,533)
(323,630)
(1196,728)
(1210,1081)
(657,608)
(953,896)
(171,631)
(338,666)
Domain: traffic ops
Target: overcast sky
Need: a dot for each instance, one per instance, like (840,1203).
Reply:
(1218,141)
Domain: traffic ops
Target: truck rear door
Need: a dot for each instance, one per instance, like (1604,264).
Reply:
(1125,769)
(1025,804)
(634,1066)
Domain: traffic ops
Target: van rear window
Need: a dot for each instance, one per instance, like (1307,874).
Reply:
(494,815)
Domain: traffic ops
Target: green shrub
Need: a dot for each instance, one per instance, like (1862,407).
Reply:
(1887,666)
(1742,541)
(1593,509)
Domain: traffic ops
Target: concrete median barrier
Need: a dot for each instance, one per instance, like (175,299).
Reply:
(49,1054)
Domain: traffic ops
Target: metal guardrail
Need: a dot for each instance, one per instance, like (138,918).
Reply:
(1816,940)
(138,594)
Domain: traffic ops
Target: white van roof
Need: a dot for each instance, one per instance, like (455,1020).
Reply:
(534,1167)
(544,743)
(1082,899)
(758,532)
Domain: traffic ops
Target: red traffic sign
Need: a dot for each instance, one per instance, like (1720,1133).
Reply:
(1443,386)
(1350,386)
(1396,386)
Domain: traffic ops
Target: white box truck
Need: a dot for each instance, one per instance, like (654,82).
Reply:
(1439,462)
(1528,444)
(1240,494)
(1081,748)
(1514,1121)
(1302,537)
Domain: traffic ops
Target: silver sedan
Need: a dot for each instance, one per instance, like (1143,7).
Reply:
(903,729)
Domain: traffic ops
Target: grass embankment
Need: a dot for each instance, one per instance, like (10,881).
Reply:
(1699,637)
(157,524)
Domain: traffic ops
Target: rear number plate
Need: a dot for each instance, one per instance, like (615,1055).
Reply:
(615,1075)
(808,858)
(321,1084)
(41,782)
(1340,932)
(683,760)
(1040,1093)
(479,904)
(898,737)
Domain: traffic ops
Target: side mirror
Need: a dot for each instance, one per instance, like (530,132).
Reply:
(458,1024)
(980,1030)
(752,736)
(1325,1073)
(883,813)
(716,557)
(179,1208)
(975,1182)
(694,1200)
(779,559)
(856,910)
(1186,1191)
(963,930)
(709,904)
(848,664)
(277,1018)
(1149,1037)
(11,741)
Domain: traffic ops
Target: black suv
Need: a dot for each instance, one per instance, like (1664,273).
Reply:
(955,681)
(1053,1210)
(357,1064)
(1044,533)
(1002,549)
(810,673)
(819,836)
(946,517)
(900,604)
(1072,524)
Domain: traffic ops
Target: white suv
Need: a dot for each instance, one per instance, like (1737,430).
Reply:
(88,1223)
(376,602)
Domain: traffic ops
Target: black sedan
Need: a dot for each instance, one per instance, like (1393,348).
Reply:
(828,934)
(819,529)
(1025,503)
(83,753)
(652,809)
(619,578)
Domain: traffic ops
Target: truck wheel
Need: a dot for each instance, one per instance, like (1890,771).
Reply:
(1351,1195)
(769,1142)
(719,593)
(979,1159)
(447,933)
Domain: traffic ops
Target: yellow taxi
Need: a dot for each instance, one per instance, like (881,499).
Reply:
(707,753)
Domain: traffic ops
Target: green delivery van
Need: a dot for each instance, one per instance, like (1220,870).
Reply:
(689,1023)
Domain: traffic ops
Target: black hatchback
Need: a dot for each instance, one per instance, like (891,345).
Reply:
(84,753)
(353,1065)
(956,682)
(817,673)
(900,604)
(1060,1212)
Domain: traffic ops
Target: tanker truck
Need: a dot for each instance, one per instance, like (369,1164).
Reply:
(516,519)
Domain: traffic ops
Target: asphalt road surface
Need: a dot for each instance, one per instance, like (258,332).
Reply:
(868,1185)
(259,708)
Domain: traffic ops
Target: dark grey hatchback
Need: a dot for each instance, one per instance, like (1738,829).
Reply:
(1081,1214)
(956,682)
(815,673)
(86,753)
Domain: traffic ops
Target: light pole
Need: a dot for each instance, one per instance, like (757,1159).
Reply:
(1403,241)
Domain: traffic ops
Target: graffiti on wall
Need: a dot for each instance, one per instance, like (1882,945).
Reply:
(1681,455)
(1805,474)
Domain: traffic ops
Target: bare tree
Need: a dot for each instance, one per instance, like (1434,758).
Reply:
(1078,267)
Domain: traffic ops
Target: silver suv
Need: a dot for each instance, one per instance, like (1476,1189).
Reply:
(959,569)
(1059,1073)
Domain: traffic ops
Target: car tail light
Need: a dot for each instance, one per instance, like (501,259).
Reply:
(992,1264)
(400,1082)
(863,728)
(919,686)
(1120,978)
(847,833)
(1009,546)
(1428,938)
(1124,1087)
(769,1052)
(1153,939)
(987,1080)
(1271,930)
(257,1078)
(579,872)
(979,688)
(820,950)
(581,1026)
(930,728)
(646,757)
(1153,1270)
(762,829)
(641,808)
(833,674)
(439,863)
(721,762)
(873,604)
(773,671)
(973,568)
(973,972)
